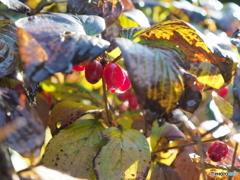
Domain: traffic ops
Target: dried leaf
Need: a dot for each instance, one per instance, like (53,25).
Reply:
(183,165)
(44,173)
(16,5)
(163,172)
(28,136)
(216,63)
(107,9)
(66,112)
(125,156)
(74,148)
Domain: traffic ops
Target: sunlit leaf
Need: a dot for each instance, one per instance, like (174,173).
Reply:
(198,49)
(44,173)
(8,47)
(66,112)
(107,9)
(168,131)
(156,77)
(64,92)
(16,6)
(129,32)
(92,25)
(225,107)
(73,149)
(29,133)
(125,156)
(163,172)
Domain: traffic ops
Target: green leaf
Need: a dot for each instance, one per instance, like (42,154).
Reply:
(73,148)
(128,33)
(125,156)
(93,25)
(66,112)
(9,55)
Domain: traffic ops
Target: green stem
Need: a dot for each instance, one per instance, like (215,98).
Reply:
(109,119)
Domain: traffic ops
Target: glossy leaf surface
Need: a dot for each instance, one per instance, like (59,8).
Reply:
(49,42)
(107,9)
(8,47)
(28,134)
(92,25)
(125,156)
(74,148)
(197,48)
(66,112)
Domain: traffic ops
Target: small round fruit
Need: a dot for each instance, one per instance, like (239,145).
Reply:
(93,72)
(217,151)
(133,102)
(127,84)
(223,92)
(78,68)
(113,76)
(124,96)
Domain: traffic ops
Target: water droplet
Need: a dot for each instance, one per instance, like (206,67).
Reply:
(8,114)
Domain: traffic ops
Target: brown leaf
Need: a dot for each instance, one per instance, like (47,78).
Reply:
(184,167)
(66,112)
(163,172)
(44,173)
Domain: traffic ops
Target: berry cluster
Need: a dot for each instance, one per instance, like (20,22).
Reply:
(114,76)
(131,98)
(217,151)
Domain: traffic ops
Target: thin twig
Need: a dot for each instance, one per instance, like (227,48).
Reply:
(233,160)
(109,119)
(212,130)
(189,144)
(117,58)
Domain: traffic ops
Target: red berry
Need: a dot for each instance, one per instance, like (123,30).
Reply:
(133,102)
(78,68)
(124,96)
(127,84)
(113,76)
(223,92)
(217,151)
(93,72)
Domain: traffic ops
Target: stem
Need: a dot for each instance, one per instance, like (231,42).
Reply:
(109,119)
(212,130)
(117,58)
(202,162)
(233,160)
(189,144)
